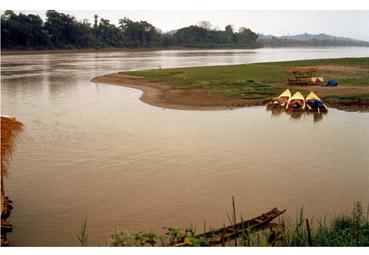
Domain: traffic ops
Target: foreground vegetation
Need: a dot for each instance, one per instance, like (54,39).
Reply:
(340,230)
(265,80)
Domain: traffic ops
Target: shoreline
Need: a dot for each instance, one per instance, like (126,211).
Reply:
(106,50)
(76,51)
(158,93)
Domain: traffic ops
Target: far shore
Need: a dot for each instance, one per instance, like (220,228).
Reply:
(98,50)
(86,50)
(228,87)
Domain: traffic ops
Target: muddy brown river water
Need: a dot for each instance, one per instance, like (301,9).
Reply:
(96,150)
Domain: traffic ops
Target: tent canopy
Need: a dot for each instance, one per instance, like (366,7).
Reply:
(286,94)
(300,70)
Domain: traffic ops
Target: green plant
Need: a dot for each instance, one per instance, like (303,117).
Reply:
(174,235)
(343,230)
(83,236)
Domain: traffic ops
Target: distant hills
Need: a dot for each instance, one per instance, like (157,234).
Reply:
(308,40)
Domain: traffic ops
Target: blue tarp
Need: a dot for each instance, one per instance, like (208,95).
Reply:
(316,103)
(331,83)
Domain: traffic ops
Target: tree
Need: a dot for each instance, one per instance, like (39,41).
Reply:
(109,35)
(139,33)
(22,31)
(205,24)
(229,29)
(245,35)
(64,31)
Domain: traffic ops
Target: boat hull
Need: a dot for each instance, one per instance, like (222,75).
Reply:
(314,103)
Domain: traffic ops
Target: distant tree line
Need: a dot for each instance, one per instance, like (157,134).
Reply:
(286,42)
(63,31)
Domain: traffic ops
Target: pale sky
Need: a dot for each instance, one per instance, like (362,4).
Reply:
(353,24)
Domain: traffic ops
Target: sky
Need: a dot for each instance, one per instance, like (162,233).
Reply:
(346,23)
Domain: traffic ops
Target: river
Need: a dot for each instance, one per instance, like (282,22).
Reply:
(96,150)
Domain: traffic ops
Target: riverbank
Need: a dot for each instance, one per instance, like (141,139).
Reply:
(5,52)
(86,50)
(227,87)
(345,229)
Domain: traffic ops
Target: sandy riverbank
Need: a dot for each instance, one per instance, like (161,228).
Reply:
(158,93)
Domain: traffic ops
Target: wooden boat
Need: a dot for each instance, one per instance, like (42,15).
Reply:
(227,233)
(281,100)
(296,102)
(314,103)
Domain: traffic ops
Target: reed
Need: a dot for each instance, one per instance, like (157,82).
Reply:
(83,236)
(350,229)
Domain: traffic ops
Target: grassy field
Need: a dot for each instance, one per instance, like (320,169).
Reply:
(250,74)
(265,80)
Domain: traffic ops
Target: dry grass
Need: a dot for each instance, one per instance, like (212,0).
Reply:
(10,128)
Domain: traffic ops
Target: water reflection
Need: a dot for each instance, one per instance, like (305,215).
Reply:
(279,111)
(296,115)
(317,116)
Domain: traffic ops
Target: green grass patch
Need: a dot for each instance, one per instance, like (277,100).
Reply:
(261,73)
(258,81)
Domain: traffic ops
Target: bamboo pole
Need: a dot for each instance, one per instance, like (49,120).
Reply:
(234,219)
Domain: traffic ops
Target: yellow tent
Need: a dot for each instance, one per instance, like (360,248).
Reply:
(311,103)
(297,97)
(286,94)
(312,96)
(281,100)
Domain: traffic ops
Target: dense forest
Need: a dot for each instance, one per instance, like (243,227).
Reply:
(63,31)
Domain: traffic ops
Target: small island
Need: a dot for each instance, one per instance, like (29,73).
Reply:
(224,87)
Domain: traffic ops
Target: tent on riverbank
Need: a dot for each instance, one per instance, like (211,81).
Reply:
(303,76)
